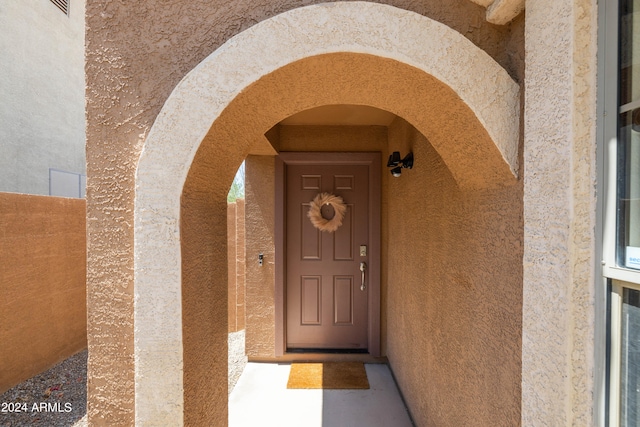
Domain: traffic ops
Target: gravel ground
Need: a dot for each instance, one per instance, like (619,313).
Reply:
(58,397)
(237,359)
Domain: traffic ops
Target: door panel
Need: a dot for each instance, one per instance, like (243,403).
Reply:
(343,240)
(311,242)
(343,300)
(311,300)
(326,308)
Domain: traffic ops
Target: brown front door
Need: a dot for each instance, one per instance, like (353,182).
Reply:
(327,306)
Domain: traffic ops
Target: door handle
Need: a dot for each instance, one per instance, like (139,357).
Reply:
(363,269)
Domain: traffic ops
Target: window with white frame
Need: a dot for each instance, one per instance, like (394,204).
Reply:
(621,239)
(628,153)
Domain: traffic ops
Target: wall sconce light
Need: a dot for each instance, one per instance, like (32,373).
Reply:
(397,164)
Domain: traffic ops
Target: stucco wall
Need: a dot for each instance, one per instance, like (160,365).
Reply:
(559,212)
(42,85)
(260,238)
(454,296)
(136,54)
(204,301)
(42,283)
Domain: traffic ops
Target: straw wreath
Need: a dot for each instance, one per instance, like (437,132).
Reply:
(315,215)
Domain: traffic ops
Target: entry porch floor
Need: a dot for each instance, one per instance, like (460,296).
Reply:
(261,398)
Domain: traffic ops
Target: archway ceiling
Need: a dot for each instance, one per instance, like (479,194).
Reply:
(340,115)
(501,12)
(322,83)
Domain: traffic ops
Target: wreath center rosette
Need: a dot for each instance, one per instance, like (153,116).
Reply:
(315,212)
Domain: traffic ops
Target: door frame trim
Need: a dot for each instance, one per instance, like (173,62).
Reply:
(375,189)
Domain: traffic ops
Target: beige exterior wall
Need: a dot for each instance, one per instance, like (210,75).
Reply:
(134,59)
(42,283)
(204,298)
(138,60)
(559,213)
(453,291)
(42,121)
(260,238)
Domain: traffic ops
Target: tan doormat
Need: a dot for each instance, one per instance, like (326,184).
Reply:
(329,375)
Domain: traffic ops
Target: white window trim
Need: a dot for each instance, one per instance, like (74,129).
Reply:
(609,133)
(618,276)
(614,356)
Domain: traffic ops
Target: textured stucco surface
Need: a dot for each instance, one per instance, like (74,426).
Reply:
(42,283)
(260,238)
(453,292)
(136,54)
(559,213)
(203,235)
(42,122)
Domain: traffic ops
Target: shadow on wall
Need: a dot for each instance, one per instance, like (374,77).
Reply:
(454,292)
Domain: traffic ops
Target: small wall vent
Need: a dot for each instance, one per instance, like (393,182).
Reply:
(63,5)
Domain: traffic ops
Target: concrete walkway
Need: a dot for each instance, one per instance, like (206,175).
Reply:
(261,398)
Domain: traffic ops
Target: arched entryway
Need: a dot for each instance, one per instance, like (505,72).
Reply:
(341,53)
